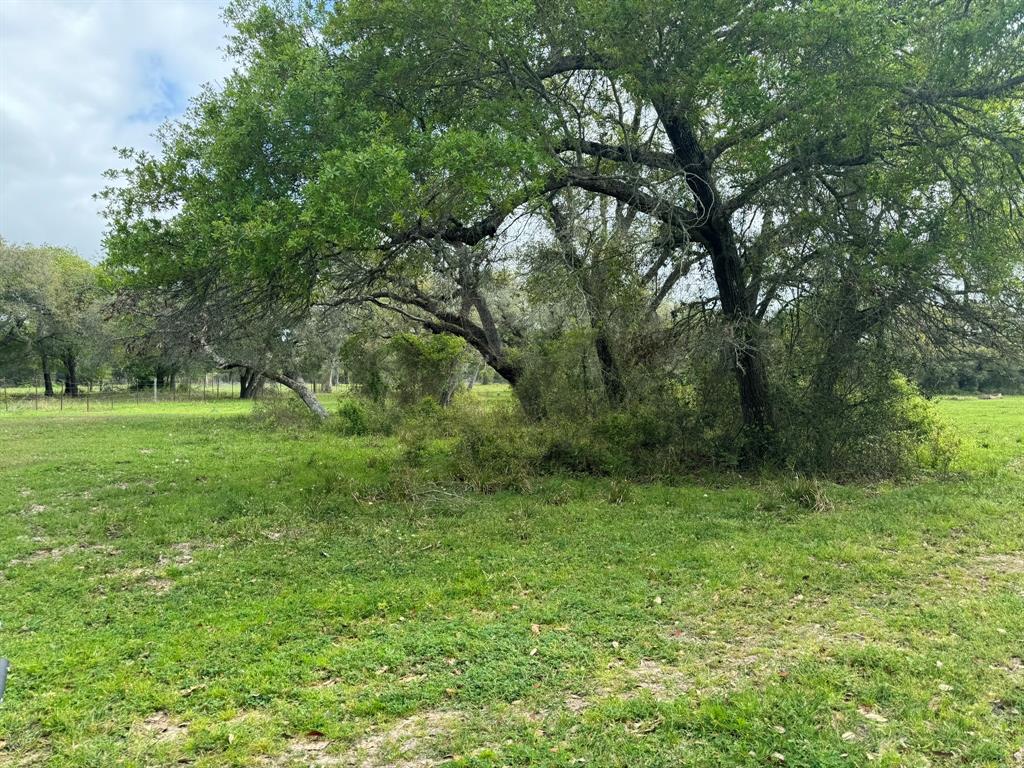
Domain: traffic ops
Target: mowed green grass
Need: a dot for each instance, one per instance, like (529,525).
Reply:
(180,587)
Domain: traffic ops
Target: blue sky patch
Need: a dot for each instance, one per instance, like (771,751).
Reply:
(167,96)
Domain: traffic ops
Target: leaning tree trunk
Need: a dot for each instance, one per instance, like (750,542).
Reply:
(451,386)
(47,377)
(299,388)
(477,370)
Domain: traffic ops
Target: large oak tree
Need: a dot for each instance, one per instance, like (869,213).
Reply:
(861,158)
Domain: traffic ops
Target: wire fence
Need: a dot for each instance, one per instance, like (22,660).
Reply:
(109,395)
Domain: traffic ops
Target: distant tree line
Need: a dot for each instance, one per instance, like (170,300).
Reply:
(63,324)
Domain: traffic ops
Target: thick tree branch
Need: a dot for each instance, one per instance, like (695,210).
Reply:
(681,220)
(750,132)
(453,231)
(987,91)
(621,153)
(561,65)
(758,185)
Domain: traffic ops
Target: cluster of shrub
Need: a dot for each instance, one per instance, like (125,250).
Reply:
(415,387)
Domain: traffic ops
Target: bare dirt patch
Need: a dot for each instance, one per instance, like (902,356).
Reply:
(155,577)
(721,660)
(658,679)
(310,751)
(26,760)
(59,553)
(986,570)
(160,726)
(1014,667)
(416,741)
(1009,564)
(160,586)
(576,704)
(183,553)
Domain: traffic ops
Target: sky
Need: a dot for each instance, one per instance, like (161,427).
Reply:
(79,78)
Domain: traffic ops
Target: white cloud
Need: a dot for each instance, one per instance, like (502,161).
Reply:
(78,78)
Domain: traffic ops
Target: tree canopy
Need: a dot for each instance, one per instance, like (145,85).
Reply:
(816,186)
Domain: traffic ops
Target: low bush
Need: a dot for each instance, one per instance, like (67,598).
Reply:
(352,418)
(498,448)
(282,412)
(427,365)
(363,416)
(886,430)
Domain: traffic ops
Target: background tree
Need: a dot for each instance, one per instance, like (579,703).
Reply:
(53,307)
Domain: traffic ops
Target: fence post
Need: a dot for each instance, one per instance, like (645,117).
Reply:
(154,389)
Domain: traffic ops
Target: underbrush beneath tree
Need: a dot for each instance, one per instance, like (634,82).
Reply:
(491,444)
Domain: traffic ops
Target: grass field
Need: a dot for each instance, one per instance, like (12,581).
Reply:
(180,587)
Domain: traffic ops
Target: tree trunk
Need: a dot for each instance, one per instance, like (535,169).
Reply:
(494,351)
(250,382)
(332,373)
(299,388)
(749,367)
(611,375)
(451,386)
(305,393)
(717,237)
(47,377)
(71,382)
(593,288)
(509,371)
